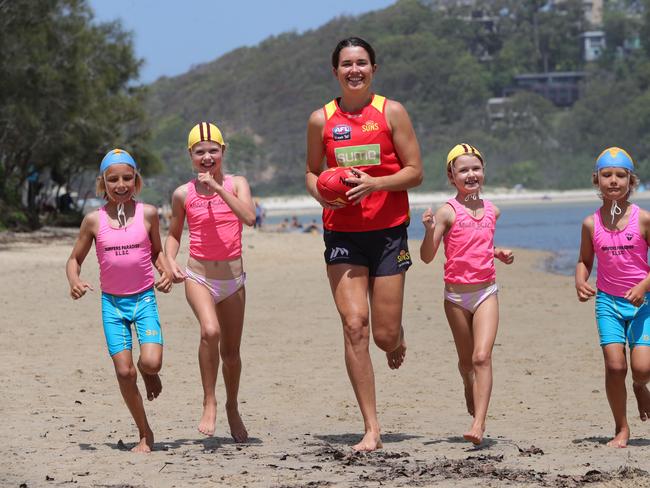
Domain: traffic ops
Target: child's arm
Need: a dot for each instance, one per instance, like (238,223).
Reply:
(241,202)
(504,255)
(158,258)
(79,252)
(636,294)
(173,241)
(585,261)
(435,227)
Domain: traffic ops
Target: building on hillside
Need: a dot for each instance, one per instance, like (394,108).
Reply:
(592,9)
(593,45)
(560,87)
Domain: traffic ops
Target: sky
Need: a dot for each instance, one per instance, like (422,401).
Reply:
(172,36)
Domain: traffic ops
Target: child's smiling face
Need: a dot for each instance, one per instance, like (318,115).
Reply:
(466,173)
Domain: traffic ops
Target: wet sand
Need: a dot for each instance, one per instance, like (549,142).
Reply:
(65,423)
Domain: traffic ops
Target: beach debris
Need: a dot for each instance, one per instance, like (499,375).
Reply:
(530,451)
(163,466)
(121,446)
(49,478)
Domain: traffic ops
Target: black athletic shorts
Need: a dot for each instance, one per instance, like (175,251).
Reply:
(384,252)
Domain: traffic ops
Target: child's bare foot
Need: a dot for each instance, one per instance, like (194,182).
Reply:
(621,438)
(371,441)
(475,434)
(643,400)
(468,384)
(209,418)
(237,428)
(152,384)
(396,357)
(145,444)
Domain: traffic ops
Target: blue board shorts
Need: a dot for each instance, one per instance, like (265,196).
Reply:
(119,312)
(619,321)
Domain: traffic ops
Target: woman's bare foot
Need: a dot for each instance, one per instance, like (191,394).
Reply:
(371,441)
(152,384)
(621,438)
(209,418)
(643,400)
(475,434)
(145,444)
(237,428)
(396,357)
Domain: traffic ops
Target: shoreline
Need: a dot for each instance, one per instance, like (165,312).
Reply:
(306,204)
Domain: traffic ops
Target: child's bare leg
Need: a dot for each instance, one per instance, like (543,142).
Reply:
(386,301)
(460,323)
(349,285)
(485,325)
(231,315)
(149,364)
(640,364)
(615,372)
(202,303)
(127,379)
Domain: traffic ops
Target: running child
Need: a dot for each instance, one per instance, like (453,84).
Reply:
(618,234)
(127,242)
(215,205)
(466,225)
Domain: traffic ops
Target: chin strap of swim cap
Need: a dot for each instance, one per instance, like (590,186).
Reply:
(615,210)
(121,215)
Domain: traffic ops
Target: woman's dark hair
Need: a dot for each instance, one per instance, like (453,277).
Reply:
(352,42)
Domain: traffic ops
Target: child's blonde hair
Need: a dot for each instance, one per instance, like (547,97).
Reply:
(100,185)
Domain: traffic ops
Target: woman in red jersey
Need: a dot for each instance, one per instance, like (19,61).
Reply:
(366,249)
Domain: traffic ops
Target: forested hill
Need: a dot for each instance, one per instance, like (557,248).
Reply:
(443,67)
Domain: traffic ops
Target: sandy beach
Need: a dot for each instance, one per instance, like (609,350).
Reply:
(65,423)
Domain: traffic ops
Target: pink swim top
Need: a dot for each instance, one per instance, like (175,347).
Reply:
(622,255)
(469,246)
(215,230)
(124,255)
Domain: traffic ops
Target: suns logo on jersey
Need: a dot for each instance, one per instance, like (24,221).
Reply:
(370,126)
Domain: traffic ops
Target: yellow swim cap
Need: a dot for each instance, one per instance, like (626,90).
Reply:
(204,131)
(460,150)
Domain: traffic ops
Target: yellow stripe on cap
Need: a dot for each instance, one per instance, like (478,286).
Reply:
(462,149)
(204,131)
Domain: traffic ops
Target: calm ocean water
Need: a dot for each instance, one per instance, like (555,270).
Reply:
(545,225)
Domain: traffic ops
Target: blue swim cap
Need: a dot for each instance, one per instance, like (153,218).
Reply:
(614,157)
(117,156)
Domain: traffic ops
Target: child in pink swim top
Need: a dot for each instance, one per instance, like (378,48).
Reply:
(466,223)
(215,205)
(618,235)
(127,241)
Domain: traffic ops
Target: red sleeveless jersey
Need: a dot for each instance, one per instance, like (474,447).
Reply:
(364,140)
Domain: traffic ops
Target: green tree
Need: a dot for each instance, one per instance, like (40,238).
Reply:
(66,95)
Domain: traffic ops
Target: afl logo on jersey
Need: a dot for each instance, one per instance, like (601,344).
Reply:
(341,132)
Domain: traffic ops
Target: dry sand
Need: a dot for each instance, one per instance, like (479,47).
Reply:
(64,422)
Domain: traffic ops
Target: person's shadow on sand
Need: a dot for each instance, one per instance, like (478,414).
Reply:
(486,444)
(209,444)
(350,439)
(604,440)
